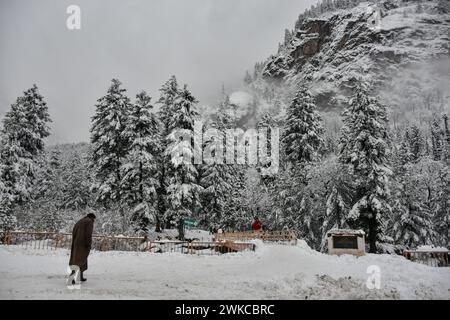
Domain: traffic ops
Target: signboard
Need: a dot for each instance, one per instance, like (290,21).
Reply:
(189,223)
(345,242)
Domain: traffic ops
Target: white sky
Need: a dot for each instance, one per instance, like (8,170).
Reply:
(142,42)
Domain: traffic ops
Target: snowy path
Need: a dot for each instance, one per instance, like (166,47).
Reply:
(272,272)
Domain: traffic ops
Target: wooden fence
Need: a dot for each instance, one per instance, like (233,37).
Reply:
(53,241)
(430,258)
(283,237)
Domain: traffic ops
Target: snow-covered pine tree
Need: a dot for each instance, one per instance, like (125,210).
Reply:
(218,176)
(286,202)
(437,142)
(402,155)
(302,134)
(109,144)
(22,140)
(338,192)
(77,181)
(446,140)
(41,213)
(49,177)
(364,151)
(236,212)
(267,123)
(7,220)
(139,171)
(248,78)
(17,173)
(169,93)
(417,195)
(226,119)
(182,191)
(28,120)
(288,35)
(441,217)
(301,140)
(413,224)
(416,143)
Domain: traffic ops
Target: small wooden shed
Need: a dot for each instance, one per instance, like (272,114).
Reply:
(346,241)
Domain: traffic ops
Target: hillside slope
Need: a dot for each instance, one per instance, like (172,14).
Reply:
(404,56)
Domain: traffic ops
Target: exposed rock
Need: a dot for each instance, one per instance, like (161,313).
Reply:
(330,52)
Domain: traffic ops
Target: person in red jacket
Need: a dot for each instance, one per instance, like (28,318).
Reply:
(257,225)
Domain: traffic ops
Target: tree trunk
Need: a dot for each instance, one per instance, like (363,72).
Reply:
(373,233)
(181,229)
(161,206)
(158,224)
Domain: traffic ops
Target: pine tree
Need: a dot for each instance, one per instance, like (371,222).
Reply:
(77,181)
(364,152)
(248,78)
(416,143)
(234,173)
(27,121)
(22,140)
(302,135)
(286,201)
(302,140)
(109,144)
(446,140)
(169,93)
(182,190)
(288,35)
(436,139)
(218,176)
(402,155)
(139,171)
(266,124)
(337,193)
(441,217)
(413,224)
(49,177)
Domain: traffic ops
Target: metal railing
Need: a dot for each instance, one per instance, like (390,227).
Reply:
(430,258)
(282,237)
(53,241)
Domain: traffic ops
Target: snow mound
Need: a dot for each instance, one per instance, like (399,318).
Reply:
(303,245)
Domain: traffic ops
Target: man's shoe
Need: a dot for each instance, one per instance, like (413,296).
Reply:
(83,279)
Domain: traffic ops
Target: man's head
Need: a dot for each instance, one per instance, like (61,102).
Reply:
(91,216)
(256,218)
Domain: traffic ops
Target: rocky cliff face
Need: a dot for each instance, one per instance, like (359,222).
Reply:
(387,44)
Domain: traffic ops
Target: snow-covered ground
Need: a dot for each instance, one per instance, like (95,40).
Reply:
(272,272)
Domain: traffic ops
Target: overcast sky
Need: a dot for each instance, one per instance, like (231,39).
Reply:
(142,42)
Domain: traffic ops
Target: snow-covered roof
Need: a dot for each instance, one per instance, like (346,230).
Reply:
(345,232)
(431,249)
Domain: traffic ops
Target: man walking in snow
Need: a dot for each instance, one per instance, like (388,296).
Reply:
(81,244)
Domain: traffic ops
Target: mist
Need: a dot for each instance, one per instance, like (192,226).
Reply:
(205,43)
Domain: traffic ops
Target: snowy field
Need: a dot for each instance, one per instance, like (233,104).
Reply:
(272,272)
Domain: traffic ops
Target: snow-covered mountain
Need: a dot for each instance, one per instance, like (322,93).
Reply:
(401,48)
